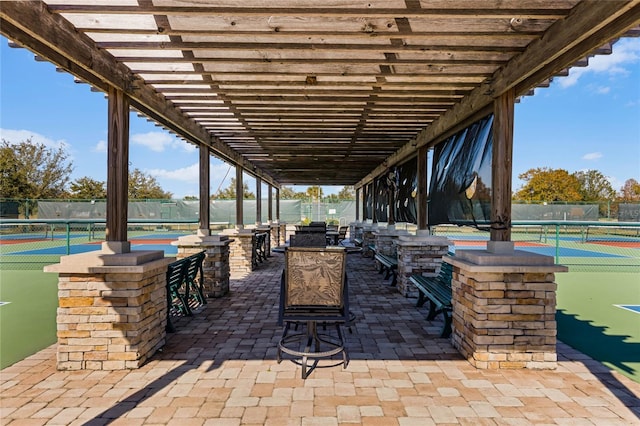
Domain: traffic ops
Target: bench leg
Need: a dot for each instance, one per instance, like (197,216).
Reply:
(446,328)
(432,311)
(394,281)
(421,299)
(387,272)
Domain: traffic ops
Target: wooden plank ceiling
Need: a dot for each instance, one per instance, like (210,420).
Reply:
(316,92)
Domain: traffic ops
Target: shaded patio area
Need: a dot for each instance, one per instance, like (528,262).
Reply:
(220,368)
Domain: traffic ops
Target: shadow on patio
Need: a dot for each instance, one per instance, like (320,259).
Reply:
(220,368)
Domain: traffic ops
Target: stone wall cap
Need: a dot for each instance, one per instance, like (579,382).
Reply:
(425,240)
(201,240)
(518,261)
(100,262)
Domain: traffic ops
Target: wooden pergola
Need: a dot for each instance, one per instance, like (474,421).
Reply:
(320,93)
(316,93)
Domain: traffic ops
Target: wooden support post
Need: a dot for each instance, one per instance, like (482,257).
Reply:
(270,203)
(258,201)
(502,166)
(391,206)
(278,205)
(239,198)
(374,193)
(204,191)
(365,216)
(117,173)
(421,196)
(358,201)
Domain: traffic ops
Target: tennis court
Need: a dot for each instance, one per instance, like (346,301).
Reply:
(598,299)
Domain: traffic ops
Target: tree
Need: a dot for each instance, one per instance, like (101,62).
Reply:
(287,193)
(32,171)
(544,184)
(87,188)
(347,193)
(314,192)
(594,186)
(190,198)
(229,193)
(142,186)
(630,191)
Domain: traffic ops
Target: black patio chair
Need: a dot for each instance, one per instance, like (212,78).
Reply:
(313,290)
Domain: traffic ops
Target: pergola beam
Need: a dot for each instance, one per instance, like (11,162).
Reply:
(590,24)
(57,40)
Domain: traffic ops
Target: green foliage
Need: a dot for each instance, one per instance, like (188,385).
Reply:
(594,186)
(190,198)
(142,186)
(630,191)
(229,193)
(33,171)
(87,188)
(287,193)
(347,193)
(546,185)
(314,192)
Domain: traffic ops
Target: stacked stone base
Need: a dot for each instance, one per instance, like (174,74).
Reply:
(215,267)
(419,254)
(504,313)
(112,309)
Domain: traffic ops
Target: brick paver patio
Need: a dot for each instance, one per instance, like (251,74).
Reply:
(219,368)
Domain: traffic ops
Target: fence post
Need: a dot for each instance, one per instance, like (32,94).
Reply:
(557,243)
(68,225)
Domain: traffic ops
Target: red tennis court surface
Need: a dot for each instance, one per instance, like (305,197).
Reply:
(621,244)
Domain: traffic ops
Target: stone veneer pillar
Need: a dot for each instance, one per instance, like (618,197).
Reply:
(282,234)
(504,308)
(112,309)
(368,238)
(419,254)
(355,230)
(385,240)
(242,259)
(215,267)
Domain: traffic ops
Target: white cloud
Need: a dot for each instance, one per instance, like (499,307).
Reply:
(187,174)
(592,156)
(101,146)
(602,90)
(155,141)
(625,51)
(17,136)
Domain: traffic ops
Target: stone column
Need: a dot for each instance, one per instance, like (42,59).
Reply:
(282,234)
(504,308)
(385,240)
(419,254)
(368,238)
(112,309)
(242,258)
(215,266)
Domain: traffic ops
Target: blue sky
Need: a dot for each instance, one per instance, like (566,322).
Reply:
(588,120)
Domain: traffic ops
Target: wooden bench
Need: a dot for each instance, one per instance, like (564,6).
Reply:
(437,290)
(184,287)
(388,264)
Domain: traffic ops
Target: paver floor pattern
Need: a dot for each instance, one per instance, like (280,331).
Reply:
(220,368)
